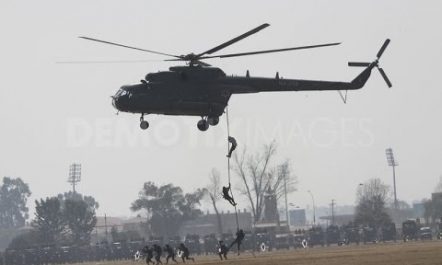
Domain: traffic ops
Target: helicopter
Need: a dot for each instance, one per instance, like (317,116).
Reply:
(198,89)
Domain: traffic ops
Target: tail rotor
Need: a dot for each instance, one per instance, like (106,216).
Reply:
(375,63)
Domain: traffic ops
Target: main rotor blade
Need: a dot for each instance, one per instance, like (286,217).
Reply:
(129,47)
(269,51)
(358,64)
(384,46)
(107,62)
(385,77)
(232,41)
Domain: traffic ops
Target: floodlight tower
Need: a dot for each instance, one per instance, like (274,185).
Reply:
(74,175)
(392,163)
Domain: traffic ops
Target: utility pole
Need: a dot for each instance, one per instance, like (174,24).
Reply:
(286,202)
(333,211)
(393,164)
(105,227)
(314,207)
(282,172)
(74,175)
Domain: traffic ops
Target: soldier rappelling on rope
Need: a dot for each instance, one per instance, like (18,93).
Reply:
(226,195)
(233,145)
(238,240)
(227,190)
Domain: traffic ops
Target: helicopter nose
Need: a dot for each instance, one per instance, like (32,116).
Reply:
(115,102)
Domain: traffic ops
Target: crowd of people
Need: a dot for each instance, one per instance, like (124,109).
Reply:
(155,251)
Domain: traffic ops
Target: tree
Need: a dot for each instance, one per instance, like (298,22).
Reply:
(167,207)
(66,218)
(79,215)
(214,193)
(258,176)
(14,194)
(371,204)
(80,220)
(49,221)
(89,200)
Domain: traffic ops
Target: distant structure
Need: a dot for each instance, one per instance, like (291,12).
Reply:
(436,197)
(297,217)
(338,219)
(332,205)
(207,224)
(392,163)
(270,207)
(74,175)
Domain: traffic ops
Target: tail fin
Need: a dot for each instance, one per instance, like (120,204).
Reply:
(362,78)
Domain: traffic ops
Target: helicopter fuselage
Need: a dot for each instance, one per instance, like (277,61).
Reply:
(203,91)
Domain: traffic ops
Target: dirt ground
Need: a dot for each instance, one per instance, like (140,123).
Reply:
(429,252)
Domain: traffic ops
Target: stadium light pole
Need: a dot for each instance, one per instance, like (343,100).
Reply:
(314,208)
(74,175)
(393,164)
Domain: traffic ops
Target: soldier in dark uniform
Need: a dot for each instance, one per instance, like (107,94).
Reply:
(185,253)
(149,254)
(158,251)
(227,196)
(222,250)
(170,253)
(233,145)
(238,240)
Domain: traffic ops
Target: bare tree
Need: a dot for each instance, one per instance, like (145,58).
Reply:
(371,208)
(258,176)
(214,193)
(281,179)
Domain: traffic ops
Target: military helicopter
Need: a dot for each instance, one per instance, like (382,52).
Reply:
(198,89)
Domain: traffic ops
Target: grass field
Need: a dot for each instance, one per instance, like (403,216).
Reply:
(429,252)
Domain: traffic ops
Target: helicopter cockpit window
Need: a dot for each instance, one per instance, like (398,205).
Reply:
(122,92)
(119,93)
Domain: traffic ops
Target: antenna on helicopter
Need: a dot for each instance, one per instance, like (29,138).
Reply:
(343,96)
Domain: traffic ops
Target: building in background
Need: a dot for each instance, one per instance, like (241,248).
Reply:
(297,217)
(418,210)
(208,224)
(436,197)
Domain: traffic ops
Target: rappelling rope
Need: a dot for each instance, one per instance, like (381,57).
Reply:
(228,166)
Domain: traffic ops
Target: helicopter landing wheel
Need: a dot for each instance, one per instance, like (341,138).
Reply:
(213,120)
(203,125)
(144,125)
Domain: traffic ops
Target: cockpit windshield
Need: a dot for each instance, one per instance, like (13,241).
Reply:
(122,92)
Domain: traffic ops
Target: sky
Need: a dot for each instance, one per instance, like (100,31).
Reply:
(55,114)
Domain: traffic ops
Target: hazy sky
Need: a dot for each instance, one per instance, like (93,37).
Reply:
(55,114)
